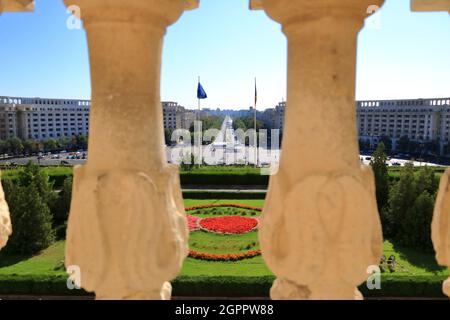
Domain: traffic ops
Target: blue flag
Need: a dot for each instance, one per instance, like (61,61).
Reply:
(201,94)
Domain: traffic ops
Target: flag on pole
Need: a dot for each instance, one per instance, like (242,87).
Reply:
(256,94)
(201,94)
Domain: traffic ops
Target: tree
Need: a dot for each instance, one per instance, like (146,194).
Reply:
(31,146)
(168,136)
(363,144)
(403,144)
(33,174)
(50,145)
(402,196)
(28,200)
(62,207)
(387,141)
(15,146)
(427,181)
(239,124)
(411,206)
(378,164)
(64,143)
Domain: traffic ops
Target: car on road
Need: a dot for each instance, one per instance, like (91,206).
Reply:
(396,164)
(368,158)
(63,162)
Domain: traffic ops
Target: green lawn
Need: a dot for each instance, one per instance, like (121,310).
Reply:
(206,175)
(412,266)
(250,202)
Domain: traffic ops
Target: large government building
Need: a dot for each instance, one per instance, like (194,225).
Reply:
(40,119)
(421,120)
(177,117)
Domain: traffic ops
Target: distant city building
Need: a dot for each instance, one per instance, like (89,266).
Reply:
(177,117)
(243,113)
(420,120)
(273,118)
(40,119)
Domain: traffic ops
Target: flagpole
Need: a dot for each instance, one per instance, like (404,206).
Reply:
(198,102)
(198,118)
(256,136)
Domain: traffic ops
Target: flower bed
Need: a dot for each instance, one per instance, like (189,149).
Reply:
(228,224)
(192,222)
(223,257)
(240,206)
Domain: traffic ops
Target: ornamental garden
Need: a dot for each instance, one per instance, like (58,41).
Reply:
(224,258)
(223,232)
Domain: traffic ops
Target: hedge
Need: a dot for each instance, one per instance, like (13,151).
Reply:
(223,195)
(218,178)
(223,179)
(226,286)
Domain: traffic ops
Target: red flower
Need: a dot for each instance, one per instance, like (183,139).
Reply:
(229,224)
(242,206)
(223,257)
(192,222)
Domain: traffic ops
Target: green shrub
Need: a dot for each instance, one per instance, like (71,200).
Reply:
(29,202)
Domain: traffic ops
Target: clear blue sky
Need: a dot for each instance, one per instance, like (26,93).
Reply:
(400,55)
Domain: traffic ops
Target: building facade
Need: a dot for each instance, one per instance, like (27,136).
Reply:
(273,118)
(177,117)
(420,120)
(41,119)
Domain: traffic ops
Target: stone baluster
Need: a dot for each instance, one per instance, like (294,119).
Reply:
(440,227)
(430,5)
(5,221)
(320,228)
(127,231)
(16,5)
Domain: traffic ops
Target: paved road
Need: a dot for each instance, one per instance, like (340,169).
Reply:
(46,160)
(174,153)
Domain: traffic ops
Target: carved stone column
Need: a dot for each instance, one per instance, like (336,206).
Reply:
(16,5)
(127,230)
(320,228)
(430,5)
(5,221)
(440,227)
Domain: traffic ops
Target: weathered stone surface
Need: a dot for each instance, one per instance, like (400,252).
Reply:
(440,227)
(320,228)
(430,5)
(5,221)
(16,5)
(127,229)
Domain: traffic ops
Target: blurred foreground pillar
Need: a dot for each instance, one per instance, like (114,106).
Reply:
(127,231)
(440,227)
(5,221)
(320,228)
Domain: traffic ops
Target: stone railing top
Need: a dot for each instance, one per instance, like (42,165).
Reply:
(157,12)
(290,11)
(16,5)
(191,4)
(430,5)
(256,4)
